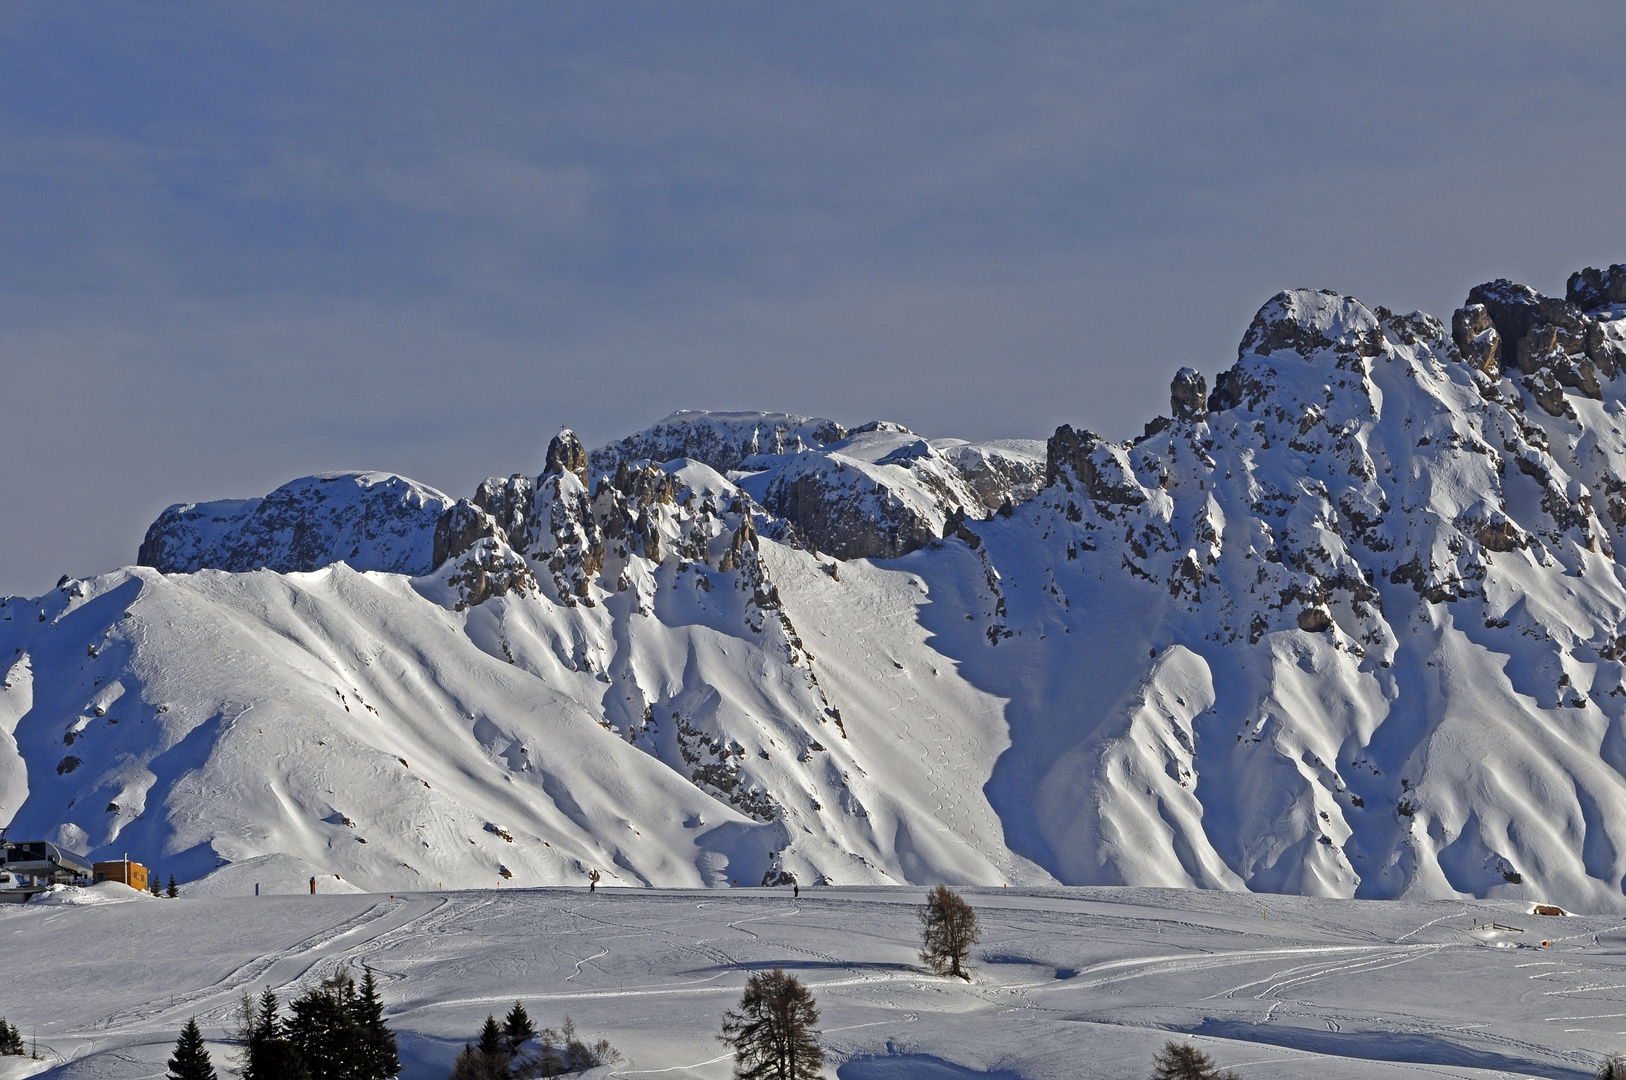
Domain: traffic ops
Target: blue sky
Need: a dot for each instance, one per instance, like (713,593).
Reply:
(239,244)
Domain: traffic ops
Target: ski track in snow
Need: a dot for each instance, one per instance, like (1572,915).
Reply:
(1335,988)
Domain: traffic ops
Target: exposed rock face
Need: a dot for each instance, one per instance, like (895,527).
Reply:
(1477,340)
(509,503)
(567,537)
(489,568)
(566,454)
(1188,394)
(819,500)
(1554,344)
(1590,288)
(910,484)
(460,528)
(372,521)
(881,492)
(1006,472)
(1100,468)
(722,440)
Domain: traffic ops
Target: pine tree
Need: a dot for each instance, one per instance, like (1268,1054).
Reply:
(772,1033)
(276,1059)
(269,1056)
(1182,1061)
(948,929)
(268,1024)
(492,1060)
(473,1065)
(11,1040)
(152,883)
(322,1028)
(377,1058)
(517,1029)
(491,1038)
(191,1060)
(174,890)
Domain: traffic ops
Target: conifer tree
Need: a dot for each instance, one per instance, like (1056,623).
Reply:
(491,1038)
(174,890)
(268,1056)
(1182,1061)
(191,1060)
(11,1040)
(517,1029)
(377,1058)
(267,1024)
(322,1027)
(492,1059)
(473,1065)
(948,929)
(772,1032)
(152,883)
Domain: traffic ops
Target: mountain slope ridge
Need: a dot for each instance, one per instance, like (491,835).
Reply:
(1349,625)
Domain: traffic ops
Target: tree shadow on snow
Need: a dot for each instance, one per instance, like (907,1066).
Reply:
(794,965)
(915,1067)
(1396,1046)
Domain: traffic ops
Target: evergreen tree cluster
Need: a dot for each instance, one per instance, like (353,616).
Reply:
(334,1032)
(11,1040)
(502,1053)
(153,887)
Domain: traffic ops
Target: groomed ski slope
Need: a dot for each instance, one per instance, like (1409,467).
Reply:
(1068,982)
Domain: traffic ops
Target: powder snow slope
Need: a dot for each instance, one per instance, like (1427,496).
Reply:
(1351,625)
(1276,988)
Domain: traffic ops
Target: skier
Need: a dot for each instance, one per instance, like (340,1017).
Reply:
(795,890)
(313,884)
(592,880)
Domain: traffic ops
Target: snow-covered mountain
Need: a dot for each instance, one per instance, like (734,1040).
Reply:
(1353,624)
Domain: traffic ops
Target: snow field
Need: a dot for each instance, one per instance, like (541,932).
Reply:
(1068,982)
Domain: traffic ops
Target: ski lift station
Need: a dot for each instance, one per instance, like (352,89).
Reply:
(31,866)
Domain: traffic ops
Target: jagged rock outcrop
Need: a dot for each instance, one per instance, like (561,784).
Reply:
(566,454)
(1351,624)
(462,526)
(509,503)
(1002,473)
(1188,394)
(880,493)
(722,440)
(371,521)
(486,569)
(1478,340)
(1592,288)
(1555,344)
(796,463)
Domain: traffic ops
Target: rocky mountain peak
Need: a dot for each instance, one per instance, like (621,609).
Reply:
(372,521)
(566,454)
(1590,289)
(1351,624)
(1309,321)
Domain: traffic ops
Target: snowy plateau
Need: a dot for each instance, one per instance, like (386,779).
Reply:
(1352,625)
(1067,983)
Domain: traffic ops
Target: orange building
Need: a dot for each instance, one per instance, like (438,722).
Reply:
(124,871)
